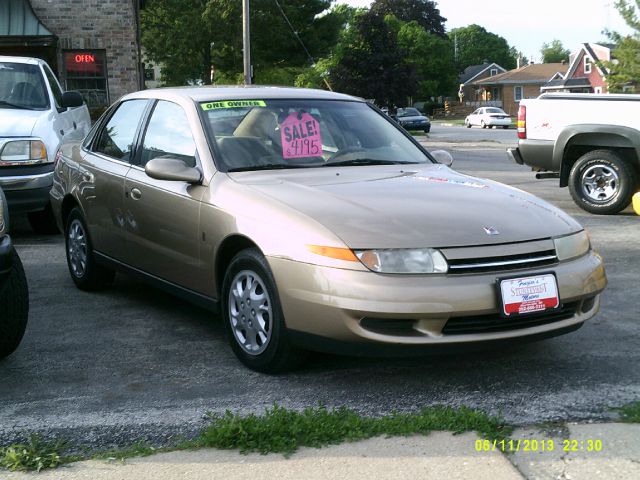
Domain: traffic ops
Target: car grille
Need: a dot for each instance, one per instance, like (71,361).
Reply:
(496,323)
(500,258)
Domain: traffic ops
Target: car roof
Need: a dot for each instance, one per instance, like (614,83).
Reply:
(248,92)
(29,60)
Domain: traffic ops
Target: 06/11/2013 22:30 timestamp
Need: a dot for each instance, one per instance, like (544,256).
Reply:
(535,445)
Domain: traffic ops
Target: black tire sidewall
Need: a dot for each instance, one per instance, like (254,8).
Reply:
(271,359)
(14,308)
(626,182)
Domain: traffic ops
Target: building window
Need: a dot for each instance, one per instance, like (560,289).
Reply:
(518,93)
(587,65)
(86,72)
(493,71)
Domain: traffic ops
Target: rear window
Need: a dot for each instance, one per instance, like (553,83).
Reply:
(22,87)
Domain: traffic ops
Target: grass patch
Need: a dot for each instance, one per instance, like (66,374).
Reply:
(283,431)
(34,455)
(138,449)
(631,413)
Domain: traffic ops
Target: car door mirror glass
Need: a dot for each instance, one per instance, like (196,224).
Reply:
(172,169)
(443,157)
(71,99)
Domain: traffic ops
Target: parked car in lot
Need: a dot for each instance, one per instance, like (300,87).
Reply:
(488,117)
(14,294)
(411,119)
(311,221)
(35,117)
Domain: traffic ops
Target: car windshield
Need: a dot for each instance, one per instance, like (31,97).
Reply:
(274,134)
(22,87)
(494,110)
(408,112)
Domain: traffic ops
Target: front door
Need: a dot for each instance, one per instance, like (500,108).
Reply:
(163,216)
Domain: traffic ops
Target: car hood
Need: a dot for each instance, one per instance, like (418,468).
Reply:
(18,122)
(410,206)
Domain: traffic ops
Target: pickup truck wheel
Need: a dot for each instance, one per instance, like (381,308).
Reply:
(253,316)
(602,182)
(43,222)
(85,272)
(14,308)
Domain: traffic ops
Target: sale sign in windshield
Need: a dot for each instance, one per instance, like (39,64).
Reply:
(300,134)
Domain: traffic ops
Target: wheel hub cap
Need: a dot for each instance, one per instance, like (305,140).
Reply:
(77,248)
(250,312)
(600,183)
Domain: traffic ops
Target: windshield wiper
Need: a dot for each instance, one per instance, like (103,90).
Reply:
(268,166)
(364,161)
(14,105)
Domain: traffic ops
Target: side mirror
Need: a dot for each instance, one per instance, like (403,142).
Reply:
(443,157)
(173,170)
(71,99)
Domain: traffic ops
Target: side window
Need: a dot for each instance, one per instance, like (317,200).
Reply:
(118,134)
(168,135)
(55,88)
(518,93)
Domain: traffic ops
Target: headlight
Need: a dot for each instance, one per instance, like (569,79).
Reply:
(572,246)
(24,151)
(419,260)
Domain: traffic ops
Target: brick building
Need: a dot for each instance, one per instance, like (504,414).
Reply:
(92,45)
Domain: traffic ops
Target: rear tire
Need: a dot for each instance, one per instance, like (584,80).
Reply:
(482,124)
(85,272)
(602,182)
(43,222)
(14,308)
(253,317)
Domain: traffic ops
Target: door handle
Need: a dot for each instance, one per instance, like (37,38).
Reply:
(136,194)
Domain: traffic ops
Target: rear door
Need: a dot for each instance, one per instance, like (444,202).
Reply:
(101,177)
(163,234)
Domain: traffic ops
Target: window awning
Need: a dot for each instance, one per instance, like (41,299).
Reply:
(20,26)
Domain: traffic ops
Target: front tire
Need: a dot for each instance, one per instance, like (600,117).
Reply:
(14,308)
(602,182)
(85,272)
(253,316)
(482,124)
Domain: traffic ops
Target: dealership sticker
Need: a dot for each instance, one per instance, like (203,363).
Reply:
(300,134)
(232,104)
(529,294)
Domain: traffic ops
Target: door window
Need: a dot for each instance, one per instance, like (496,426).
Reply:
(55,88)
(169,135)
(117,137)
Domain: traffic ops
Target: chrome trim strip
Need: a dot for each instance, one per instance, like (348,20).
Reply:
(27,182)
(502,263)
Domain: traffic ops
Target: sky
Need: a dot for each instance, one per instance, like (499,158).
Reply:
(527,24)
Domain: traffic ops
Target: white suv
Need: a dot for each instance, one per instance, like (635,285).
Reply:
(35,117)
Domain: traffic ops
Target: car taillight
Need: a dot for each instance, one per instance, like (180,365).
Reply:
(522,122)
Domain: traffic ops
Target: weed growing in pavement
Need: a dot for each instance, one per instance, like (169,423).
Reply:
(33,455)
(631,413)
(283,431)
(138,449)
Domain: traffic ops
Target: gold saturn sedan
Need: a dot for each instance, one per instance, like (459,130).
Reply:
(310,221)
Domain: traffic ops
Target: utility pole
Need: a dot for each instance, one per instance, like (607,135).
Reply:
(246,42)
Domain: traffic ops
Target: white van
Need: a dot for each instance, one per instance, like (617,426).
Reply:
(35,117)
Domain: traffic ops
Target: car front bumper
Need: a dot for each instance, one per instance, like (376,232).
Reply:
(365,308)
(27,188)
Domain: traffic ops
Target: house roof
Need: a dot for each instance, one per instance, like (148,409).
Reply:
(561,83)
(473,71)
(588,50)
(535,73)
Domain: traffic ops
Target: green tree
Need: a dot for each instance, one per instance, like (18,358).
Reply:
(430,55)
(188,36)
(474,45)
(425,12)
(370,63)
(624,70)
(554,52)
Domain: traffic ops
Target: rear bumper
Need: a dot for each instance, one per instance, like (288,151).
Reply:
(514,154)
(538,154)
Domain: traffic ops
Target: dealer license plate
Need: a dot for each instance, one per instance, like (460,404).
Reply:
(524,295)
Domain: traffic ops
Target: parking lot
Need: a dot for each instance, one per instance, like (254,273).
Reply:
(132,363)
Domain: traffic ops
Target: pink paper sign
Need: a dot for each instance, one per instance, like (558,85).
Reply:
(300,136)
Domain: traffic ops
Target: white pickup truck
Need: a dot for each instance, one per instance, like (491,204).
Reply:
(590,142)
(35,117)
